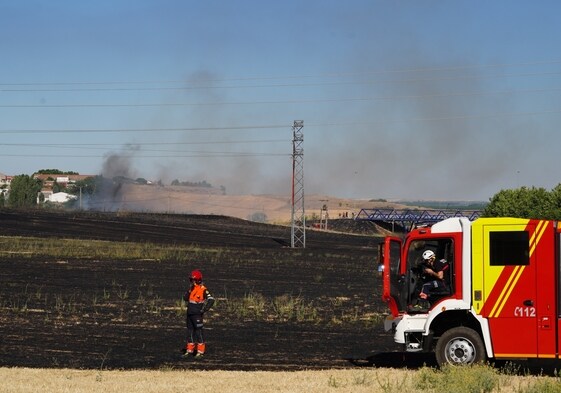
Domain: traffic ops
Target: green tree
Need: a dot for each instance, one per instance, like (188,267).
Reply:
(23,191)
(525,202)
(56,187)
(556,202)
(49,172)
(89,186)
(55,172)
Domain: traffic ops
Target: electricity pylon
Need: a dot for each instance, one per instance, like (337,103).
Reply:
(298,232)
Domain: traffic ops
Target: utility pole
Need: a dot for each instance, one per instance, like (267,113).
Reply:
(298,231)
(323,216)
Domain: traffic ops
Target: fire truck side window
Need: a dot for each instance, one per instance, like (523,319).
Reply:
(443,249)
(509,248)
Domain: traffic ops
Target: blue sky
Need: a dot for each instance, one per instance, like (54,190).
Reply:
(400,99)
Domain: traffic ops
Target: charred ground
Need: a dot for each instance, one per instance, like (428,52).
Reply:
(123,313)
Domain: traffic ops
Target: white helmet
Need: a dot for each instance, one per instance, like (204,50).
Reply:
(428,254)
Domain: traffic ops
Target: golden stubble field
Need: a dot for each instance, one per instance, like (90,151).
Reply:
(371,380)
(78,381)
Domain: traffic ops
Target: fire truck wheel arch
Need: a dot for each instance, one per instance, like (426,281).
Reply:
(460,345)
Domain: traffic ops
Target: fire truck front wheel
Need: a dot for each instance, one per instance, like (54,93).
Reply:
(460,345)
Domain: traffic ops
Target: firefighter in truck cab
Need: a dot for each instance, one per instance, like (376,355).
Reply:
(483,280)
(433,273)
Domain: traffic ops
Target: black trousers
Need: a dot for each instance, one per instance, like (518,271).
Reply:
(195,328)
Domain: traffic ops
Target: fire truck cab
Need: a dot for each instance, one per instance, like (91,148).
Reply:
(501,299)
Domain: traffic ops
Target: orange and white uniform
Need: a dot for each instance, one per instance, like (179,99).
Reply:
(199,300)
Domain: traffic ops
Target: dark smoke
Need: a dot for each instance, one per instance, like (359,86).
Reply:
(117,170)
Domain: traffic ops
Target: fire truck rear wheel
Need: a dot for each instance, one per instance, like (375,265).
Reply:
(460,345)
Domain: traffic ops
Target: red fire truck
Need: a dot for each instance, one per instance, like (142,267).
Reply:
(501,299)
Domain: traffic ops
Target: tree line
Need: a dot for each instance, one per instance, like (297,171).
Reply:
(526,202)
(523,202)
(24,190)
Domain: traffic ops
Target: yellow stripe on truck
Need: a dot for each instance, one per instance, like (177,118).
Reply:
(542,226)
(516,273)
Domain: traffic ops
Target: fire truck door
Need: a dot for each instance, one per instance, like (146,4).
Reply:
(394,282)
(545,289)
(505,287)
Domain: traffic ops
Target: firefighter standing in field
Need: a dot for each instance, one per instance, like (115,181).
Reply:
(199,300)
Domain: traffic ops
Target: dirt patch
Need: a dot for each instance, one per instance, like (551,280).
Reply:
(85,313)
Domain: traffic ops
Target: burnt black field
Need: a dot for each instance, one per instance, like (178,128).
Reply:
(124,314)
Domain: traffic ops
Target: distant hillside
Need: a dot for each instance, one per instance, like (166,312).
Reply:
(447,205)
(205,200)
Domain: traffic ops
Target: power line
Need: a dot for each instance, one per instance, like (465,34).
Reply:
(162,129)
(282,126)
(279,102)
(121,155)
(112,145)
(316,84)
(309,76)
(441,118)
